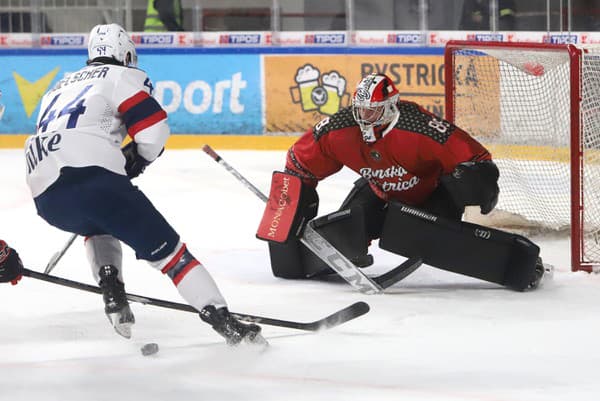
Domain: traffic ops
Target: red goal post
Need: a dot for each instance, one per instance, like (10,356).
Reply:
(536,106)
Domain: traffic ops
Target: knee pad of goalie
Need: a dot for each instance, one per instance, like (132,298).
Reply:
(469,249)
(290,206)
(345,230)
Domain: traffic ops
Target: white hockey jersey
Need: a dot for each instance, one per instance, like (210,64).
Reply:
(84,118)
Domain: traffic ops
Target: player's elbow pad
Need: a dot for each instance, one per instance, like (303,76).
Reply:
(474,183)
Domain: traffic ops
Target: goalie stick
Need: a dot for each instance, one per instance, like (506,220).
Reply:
(327,252)
(335,319)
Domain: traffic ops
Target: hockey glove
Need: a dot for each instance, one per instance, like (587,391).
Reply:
(11,267)
(474,183)
(134,163)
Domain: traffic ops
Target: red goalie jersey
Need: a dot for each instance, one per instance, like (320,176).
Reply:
(404,164)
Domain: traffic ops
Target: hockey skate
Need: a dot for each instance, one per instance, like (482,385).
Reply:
(116,305)
(230,328)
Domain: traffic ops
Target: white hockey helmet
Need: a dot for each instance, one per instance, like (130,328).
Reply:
(112,41)
(374,104)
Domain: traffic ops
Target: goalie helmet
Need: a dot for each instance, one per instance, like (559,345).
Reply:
(113,42)
(374,105)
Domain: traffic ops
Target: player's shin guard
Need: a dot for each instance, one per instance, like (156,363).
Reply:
(104,250)
(192,280)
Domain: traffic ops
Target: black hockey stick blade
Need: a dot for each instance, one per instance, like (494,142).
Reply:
(350,312)
(398,273)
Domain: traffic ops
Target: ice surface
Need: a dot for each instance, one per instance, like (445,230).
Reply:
(436,336)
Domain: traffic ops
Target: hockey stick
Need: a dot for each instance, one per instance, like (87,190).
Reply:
(327,252)
(209,151)
(335,319)
(58,255)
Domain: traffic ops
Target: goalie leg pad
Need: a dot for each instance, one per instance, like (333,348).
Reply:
(373,206)
(345,230)
(469,249)
(286,259)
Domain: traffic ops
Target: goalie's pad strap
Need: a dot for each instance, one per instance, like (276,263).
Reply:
(281,211)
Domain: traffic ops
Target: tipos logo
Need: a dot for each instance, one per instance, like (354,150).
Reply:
(325,93)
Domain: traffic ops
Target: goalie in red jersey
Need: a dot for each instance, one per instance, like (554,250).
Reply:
(403,154)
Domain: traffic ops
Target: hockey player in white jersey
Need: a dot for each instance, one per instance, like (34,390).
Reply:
(79,177)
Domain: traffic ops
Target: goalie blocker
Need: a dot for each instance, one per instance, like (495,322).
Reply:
(291,205)
(470,249)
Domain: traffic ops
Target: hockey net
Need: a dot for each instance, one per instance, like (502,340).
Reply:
(536,107)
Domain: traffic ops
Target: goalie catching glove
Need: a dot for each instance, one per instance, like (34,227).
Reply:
(11,267)
(291,205)
(474,183)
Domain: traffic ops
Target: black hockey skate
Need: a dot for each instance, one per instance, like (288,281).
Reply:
(230,328)
(116,305)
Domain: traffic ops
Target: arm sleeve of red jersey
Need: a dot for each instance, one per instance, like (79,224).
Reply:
(309,161)
(460,147)
(143,117)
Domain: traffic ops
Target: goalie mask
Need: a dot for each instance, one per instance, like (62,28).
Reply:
(113,42)
(374,105)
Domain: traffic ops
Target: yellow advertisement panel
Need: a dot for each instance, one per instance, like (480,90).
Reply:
(301,90)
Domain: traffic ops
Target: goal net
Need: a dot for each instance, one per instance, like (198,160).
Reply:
(536,107)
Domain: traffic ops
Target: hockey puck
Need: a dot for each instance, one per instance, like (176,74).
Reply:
(149,349)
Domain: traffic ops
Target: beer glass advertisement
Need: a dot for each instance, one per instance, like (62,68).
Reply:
(302,90)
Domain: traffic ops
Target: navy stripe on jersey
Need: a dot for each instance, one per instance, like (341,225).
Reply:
(141,111)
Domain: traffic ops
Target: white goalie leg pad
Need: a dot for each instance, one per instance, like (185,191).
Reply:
(192,280)
(104,250)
